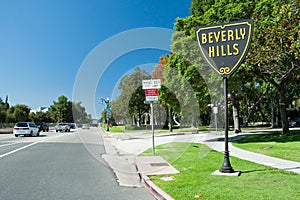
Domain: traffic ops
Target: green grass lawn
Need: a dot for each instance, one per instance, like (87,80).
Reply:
(147,129)
(273,144)
(117,129)
(197,162)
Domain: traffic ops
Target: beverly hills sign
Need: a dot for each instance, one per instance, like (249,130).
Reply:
(224,46)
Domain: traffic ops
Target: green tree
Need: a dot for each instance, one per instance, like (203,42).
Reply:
(117,108)
(18,113)
(214,12)
(276,49)
(129,105)
(187,66)
(103,116)
(40,117)
(178,91)
(274,58)
(2,116)
(206,85)
(61,111)
(199,7)
(79,113)
(137,107)
(4,105)
(166,97)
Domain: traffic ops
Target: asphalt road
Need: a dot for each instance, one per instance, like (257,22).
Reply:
(59,166)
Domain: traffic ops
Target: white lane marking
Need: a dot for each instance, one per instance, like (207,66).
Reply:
(26,146)
(4,145)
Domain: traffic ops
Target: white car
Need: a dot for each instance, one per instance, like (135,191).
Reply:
(62,127)
(85,126)
(26,128)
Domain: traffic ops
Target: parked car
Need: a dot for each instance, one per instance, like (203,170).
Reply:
(295,122)
(72,125)
(85,126)
(26,128)
(62,127)
(42,126)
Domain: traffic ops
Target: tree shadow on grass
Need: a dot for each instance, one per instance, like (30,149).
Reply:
(268,169)
(267,137)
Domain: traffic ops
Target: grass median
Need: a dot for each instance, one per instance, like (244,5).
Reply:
(196,163)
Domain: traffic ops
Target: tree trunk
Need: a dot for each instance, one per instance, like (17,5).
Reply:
(235,115)
(146,119)
(170,119)
(133,120)
(251,110)
(272,114)
(236,121)
(194,123)
(159,115)
(284,121)
(139,119)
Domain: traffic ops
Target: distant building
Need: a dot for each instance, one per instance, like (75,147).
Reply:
(40,109)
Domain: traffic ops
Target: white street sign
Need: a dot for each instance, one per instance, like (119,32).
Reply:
(151,98)
(152,83)
(215,109)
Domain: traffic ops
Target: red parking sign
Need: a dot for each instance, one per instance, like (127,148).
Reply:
(151,92)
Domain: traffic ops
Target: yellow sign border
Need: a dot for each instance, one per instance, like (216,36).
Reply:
(226,70)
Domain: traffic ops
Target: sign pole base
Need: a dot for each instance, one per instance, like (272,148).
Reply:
(226,167)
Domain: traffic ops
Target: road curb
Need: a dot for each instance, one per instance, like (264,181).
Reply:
(145,180)
(154,189)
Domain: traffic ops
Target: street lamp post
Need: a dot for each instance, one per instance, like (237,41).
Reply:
(108,111)
(107,123)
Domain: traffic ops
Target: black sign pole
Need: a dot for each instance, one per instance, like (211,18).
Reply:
(224,47)
(226,167)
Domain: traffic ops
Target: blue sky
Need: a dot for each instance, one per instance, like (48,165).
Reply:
(43,43)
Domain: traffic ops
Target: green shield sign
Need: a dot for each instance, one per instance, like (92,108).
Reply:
(224,46)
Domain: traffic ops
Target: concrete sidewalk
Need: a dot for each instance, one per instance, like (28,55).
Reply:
(214,141)
(256,157)
(123,150)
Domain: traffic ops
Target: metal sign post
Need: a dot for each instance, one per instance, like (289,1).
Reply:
(152,122)
(151,92)
(152,128)
(226,166)
(224,47)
